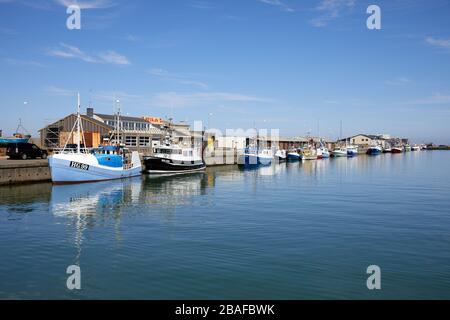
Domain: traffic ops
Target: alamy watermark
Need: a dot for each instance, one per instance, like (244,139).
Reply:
(374,20)
(74,20)
(74,280)
(374,280)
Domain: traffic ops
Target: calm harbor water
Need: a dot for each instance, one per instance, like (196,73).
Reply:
(291,231)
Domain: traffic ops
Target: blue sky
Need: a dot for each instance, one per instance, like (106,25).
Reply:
(300,66)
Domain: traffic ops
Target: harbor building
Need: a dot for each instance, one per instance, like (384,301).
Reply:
(57,134)
(366,140)
(137,133)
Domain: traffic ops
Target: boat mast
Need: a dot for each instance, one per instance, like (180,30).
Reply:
(78,125)
(117,121)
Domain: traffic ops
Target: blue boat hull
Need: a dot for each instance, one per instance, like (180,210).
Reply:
(351,153)
(13,140)
(253,161)
(293,157)
(373,152)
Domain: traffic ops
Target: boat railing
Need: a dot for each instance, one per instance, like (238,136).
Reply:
(71,150)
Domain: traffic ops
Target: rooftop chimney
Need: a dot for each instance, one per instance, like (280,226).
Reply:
(90,112)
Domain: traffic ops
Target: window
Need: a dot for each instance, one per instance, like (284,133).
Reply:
(144,141)
(130,141)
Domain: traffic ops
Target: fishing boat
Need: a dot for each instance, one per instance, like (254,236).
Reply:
(374,150)
(309,154)
(281,155)
(170,159)
(339,152)
(415,148)
(318,153)
(352,150)
(407,148)
(397,149)
(83,165)
(17,137)
(293,155)
(387,149)
(253,157)
(322,151)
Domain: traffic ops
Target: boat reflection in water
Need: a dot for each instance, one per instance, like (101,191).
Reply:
(99,199)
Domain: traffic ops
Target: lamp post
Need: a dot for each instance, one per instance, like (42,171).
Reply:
(209,120)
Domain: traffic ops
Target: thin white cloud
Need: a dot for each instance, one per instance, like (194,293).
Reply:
(179,78)
(436,98)
(132,38)
(111,96)
(72,52)
(440,43)
(174,99)
(57,91)
(86,4)
(17,62)
(278,3)
(113,58)
(202,4)
(398,81)
(330,10)
(108,97)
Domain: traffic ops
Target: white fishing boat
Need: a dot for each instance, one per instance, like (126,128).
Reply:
(83,165)
(322,151)
(339,152)
(265,156)
(281,155)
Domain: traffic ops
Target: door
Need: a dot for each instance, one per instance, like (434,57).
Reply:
(35,151)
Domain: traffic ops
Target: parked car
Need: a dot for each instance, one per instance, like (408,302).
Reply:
(25,151)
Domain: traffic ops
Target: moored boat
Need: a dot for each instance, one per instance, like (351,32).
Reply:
(104,163)
(171,159)
(322,152)
(397,149)
(374,150)
(339,152)
(252,157)
(82,165)
(415,148)
(387,148)
(280,155)
(352,150)
(293,155)
(407,148)
(309,154)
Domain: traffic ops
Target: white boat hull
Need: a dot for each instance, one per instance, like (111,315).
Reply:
(77,168)
(339,153)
